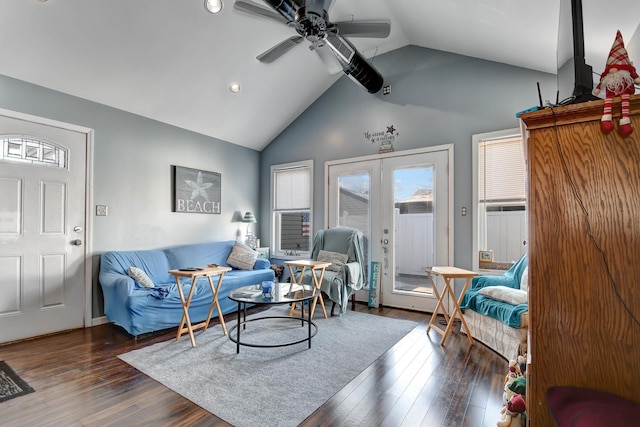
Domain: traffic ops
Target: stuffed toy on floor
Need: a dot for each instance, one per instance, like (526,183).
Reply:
(510,378)
(512,413)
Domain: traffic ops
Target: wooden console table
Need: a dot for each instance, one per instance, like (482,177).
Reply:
(208,272)
(447,274)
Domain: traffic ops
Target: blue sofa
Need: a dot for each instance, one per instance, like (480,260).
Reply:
(139,309)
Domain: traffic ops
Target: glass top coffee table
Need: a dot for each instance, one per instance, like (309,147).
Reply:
(283,293)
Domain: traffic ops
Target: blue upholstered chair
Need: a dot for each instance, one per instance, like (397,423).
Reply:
(342,279)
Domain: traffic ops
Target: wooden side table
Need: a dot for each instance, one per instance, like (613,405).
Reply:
(208,272)
(447,274)
(317,269)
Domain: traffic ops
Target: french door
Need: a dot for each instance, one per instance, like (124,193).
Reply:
(402,203)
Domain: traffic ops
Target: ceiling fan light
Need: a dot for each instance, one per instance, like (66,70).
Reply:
(213,6)
(235,87)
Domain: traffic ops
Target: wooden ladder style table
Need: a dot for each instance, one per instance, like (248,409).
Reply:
(317,269)
(194,274)
(447,274)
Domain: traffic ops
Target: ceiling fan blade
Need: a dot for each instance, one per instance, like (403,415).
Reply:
(329,59)
(278,50)
(315,7)
(364,29)
(254,9)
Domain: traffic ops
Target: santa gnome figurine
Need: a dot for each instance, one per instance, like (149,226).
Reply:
(618,79)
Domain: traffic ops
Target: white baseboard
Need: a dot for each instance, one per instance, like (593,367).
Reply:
(99,321)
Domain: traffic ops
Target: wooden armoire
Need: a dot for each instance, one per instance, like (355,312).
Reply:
(584,253)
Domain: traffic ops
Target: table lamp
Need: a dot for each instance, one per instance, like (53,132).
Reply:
(249,219)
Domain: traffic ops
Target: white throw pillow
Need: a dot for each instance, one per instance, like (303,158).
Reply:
(336,259)
(524,281)
(505,294)
(242,257)
(140,276)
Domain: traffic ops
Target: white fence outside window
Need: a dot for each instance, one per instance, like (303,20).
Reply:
(414,239)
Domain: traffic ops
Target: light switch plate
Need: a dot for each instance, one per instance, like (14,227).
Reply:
(101,210)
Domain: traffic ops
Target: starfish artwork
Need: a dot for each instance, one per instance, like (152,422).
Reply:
(199,188)
(196,191)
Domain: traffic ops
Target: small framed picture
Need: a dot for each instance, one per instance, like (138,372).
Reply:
(485,256)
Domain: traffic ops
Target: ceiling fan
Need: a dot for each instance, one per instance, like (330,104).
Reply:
(310,20)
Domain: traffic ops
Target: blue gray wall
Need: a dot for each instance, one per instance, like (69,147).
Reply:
(633,47)
(436,98)
(133,156)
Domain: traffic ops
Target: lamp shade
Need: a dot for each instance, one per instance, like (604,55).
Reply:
(248,217)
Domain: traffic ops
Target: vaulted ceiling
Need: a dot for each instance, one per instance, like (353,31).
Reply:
(173,61)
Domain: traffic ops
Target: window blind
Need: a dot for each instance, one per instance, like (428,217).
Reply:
(502,171)
(292,188)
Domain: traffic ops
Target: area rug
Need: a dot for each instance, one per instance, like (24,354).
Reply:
(11,385)
(270,386)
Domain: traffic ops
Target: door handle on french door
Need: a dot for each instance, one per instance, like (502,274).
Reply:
(76,242)
(385,242)
(385,251)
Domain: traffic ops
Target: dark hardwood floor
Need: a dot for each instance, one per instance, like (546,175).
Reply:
(79,381)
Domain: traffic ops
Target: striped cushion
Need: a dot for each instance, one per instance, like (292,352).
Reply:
(336,259)
(140,276)
(242,257)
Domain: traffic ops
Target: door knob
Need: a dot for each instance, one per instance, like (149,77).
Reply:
(76,242)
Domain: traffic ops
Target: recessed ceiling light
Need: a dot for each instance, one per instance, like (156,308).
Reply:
(213,6)
(235,87)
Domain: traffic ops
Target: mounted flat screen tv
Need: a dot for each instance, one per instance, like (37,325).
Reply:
(575,76)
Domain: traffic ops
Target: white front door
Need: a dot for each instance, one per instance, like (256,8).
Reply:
(402,203)
(42,228)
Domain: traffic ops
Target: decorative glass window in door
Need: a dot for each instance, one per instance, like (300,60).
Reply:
(29,150)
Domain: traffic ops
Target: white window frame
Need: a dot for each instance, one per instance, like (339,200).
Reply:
(475,144)
(275,223)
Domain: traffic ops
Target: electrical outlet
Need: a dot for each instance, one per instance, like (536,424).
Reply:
(101,210)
